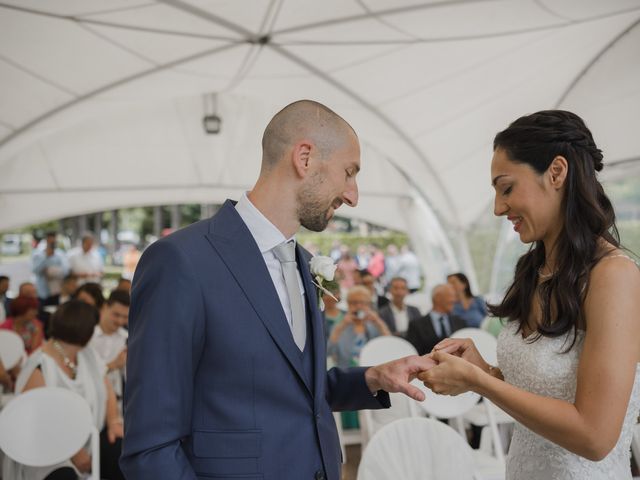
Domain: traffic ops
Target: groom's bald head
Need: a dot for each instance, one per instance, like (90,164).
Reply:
(304,120)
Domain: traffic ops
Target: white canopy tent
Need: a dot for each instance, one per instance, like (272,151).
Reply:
(102,101)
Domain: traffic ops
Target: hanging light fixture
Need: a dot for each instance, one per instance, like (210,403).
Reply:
(211,122)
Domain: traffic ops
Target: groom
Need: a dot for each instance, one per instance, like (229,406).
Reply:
(226,360)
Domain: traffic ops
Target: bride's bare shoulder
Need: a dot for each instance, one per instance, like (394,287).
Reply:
(615,272)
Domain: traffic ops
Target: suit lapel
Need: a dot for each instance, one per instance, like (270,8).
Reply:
(231,238)
(317,322)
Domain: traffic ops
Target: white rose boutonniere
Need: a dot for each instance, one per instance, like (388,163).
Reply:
(323,270)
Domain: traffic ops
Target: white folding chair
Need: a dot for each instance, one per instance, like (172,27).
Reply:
(416,449)
(11,349)
(454,408)
(46,426)
(486,414)
(377,351)
(486,343)
(635,444)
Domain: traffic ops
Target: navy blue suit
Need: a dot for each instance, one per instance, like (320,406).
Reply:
(216,386)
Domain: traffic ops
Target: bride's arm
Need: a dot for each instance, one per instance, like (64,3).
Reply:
(589,427)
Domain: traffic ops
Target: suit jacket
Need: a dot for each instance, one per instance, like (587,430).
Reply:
(52,300)
(382,302)
(422,335)
(216,385)
(386,313)
(7,303)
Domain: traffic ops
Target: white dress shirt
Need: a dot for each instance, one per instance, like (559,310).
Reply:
(435,321)
(81,262)
(401,317)
(267,236)
(107,348)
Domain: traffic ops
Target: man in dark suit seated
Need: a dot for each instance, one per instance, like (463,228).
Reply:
(396,314)
(424,333)
(68,288)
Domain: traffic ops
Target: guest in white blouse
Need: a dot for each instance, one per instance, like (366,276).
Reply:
(63,361)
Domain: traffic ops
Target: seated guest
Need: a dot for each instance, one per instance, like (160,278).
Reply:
(332,314)
(359,325)
(27,289)
(110,338)
(396,314)
(4,297)
(376,263)
(438,324)
(345,270)
(23,321)
(90,293)
(49,305)
(471,309)
(369,281)
(124,284)
(64,362)
(67,290)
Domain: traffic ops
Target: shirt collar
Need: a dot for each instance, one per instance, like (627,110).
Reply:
(396,309)
(265,233)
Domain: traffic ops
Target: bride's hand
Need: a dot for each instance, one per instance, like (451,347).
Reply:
(451,376)
(464,348)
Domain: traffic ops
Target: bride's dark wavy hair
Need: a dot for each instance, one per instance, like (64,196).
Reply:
(536,140)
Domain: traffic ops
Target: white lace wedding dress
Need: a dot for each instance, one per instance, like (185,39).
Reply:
(541,367)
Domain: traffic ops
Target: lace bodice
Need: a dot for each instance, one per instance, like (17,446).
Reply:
(541,368)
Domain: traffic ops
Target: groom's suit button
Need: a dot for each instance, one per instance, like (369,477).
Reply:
(319,475)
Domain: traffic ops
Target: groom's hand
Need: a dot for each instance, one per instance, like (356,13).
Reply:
(396,376)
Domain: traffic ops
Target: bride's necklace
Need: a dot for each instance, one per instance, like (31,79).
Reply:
(65,359)
(545,275)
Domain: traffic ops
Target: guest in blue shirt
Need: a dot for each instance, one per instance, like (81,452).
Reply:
(50,267)
(468,307)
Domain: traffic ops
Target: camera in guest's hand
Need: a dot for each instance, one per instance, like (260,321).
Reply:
(361,314)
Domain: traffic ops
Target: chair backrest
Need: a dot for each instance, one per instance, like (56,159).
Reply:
(486,343)
(11,349)
(45,426)
(416,449)
(377,351)
(445,406)
(384,349)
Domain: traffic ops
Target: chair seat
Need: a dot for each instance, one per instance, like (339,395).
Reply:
(487,467)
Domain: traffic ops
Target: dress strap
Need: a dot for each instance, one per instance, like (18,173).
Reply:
(623,256)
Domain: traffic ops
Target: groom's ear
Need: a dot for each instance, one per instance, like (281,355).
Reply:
(301,156)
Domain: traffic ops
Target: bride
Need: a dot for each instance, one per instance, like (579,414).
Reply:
(568,356)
